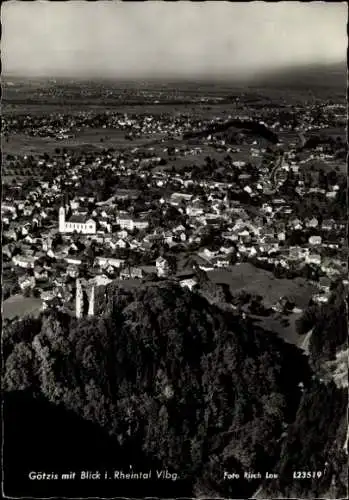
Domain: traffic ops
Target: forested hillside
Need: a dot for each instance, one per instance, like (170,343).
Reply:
(183,384)
(315,443)
(329,324)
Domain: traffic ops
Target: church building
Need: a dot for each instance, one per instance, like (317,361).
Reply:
(76,224)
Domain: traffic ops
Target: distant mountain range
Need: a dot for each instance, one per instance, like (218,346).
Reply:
(312,76)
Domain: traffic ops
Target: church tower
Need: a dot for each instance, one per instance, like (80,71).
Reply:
(61,220)
(66,203)
(79,299)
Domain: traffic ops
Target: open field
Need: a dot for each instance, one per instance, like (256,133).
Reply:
(332,132)
(203,98)
(18,305)
(92,138)
(260,282)
(200,110)
(274,323)
(318,164)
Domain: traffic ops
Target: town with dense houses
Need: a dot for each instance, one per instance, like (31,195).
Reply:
(167,210)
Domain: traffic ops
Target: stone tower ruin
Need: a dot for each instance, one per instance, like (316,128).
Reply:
(85,298)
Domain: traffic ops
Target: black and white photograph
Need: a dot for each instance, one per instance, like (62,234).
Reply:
(174,250)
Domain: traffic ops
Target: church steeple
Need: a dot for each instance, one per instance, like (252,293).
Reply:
(66,203)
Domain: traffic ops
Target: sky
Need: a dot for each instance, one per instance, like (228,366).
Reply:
(176,39)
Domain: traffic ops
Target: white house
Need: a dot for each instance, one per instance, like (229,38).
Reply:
(73,260)
(26,282)
(109,261)
(177,198)
(74,204)
(179,229)
(127,222)
(122,234)
(244,235)
(313,222)
(194,211)
(24,261)
(162,267)
(221,261)
(140,224)
(207,254)
(121,243)
(320,298)
(188,283)
(315,240)
(47,295)
(134,272)
(101,280)
(7,207)
(313,259)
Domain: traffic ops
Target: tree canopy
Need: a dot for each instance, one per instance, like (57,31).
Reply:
(191,386)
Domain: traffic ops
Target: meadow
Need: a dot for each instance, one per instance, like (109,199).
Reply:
(256,281)
(20,306)
(245,277)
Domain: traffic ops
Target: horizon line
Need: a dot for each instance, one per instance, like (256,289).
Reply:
(181,76)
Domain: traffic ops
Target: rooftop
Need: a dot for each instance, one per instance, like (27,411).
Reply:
(78,219)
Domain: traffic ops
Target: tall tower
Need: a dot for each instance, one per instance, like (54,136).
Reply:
(79,299)
(91,304)
(61,220)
